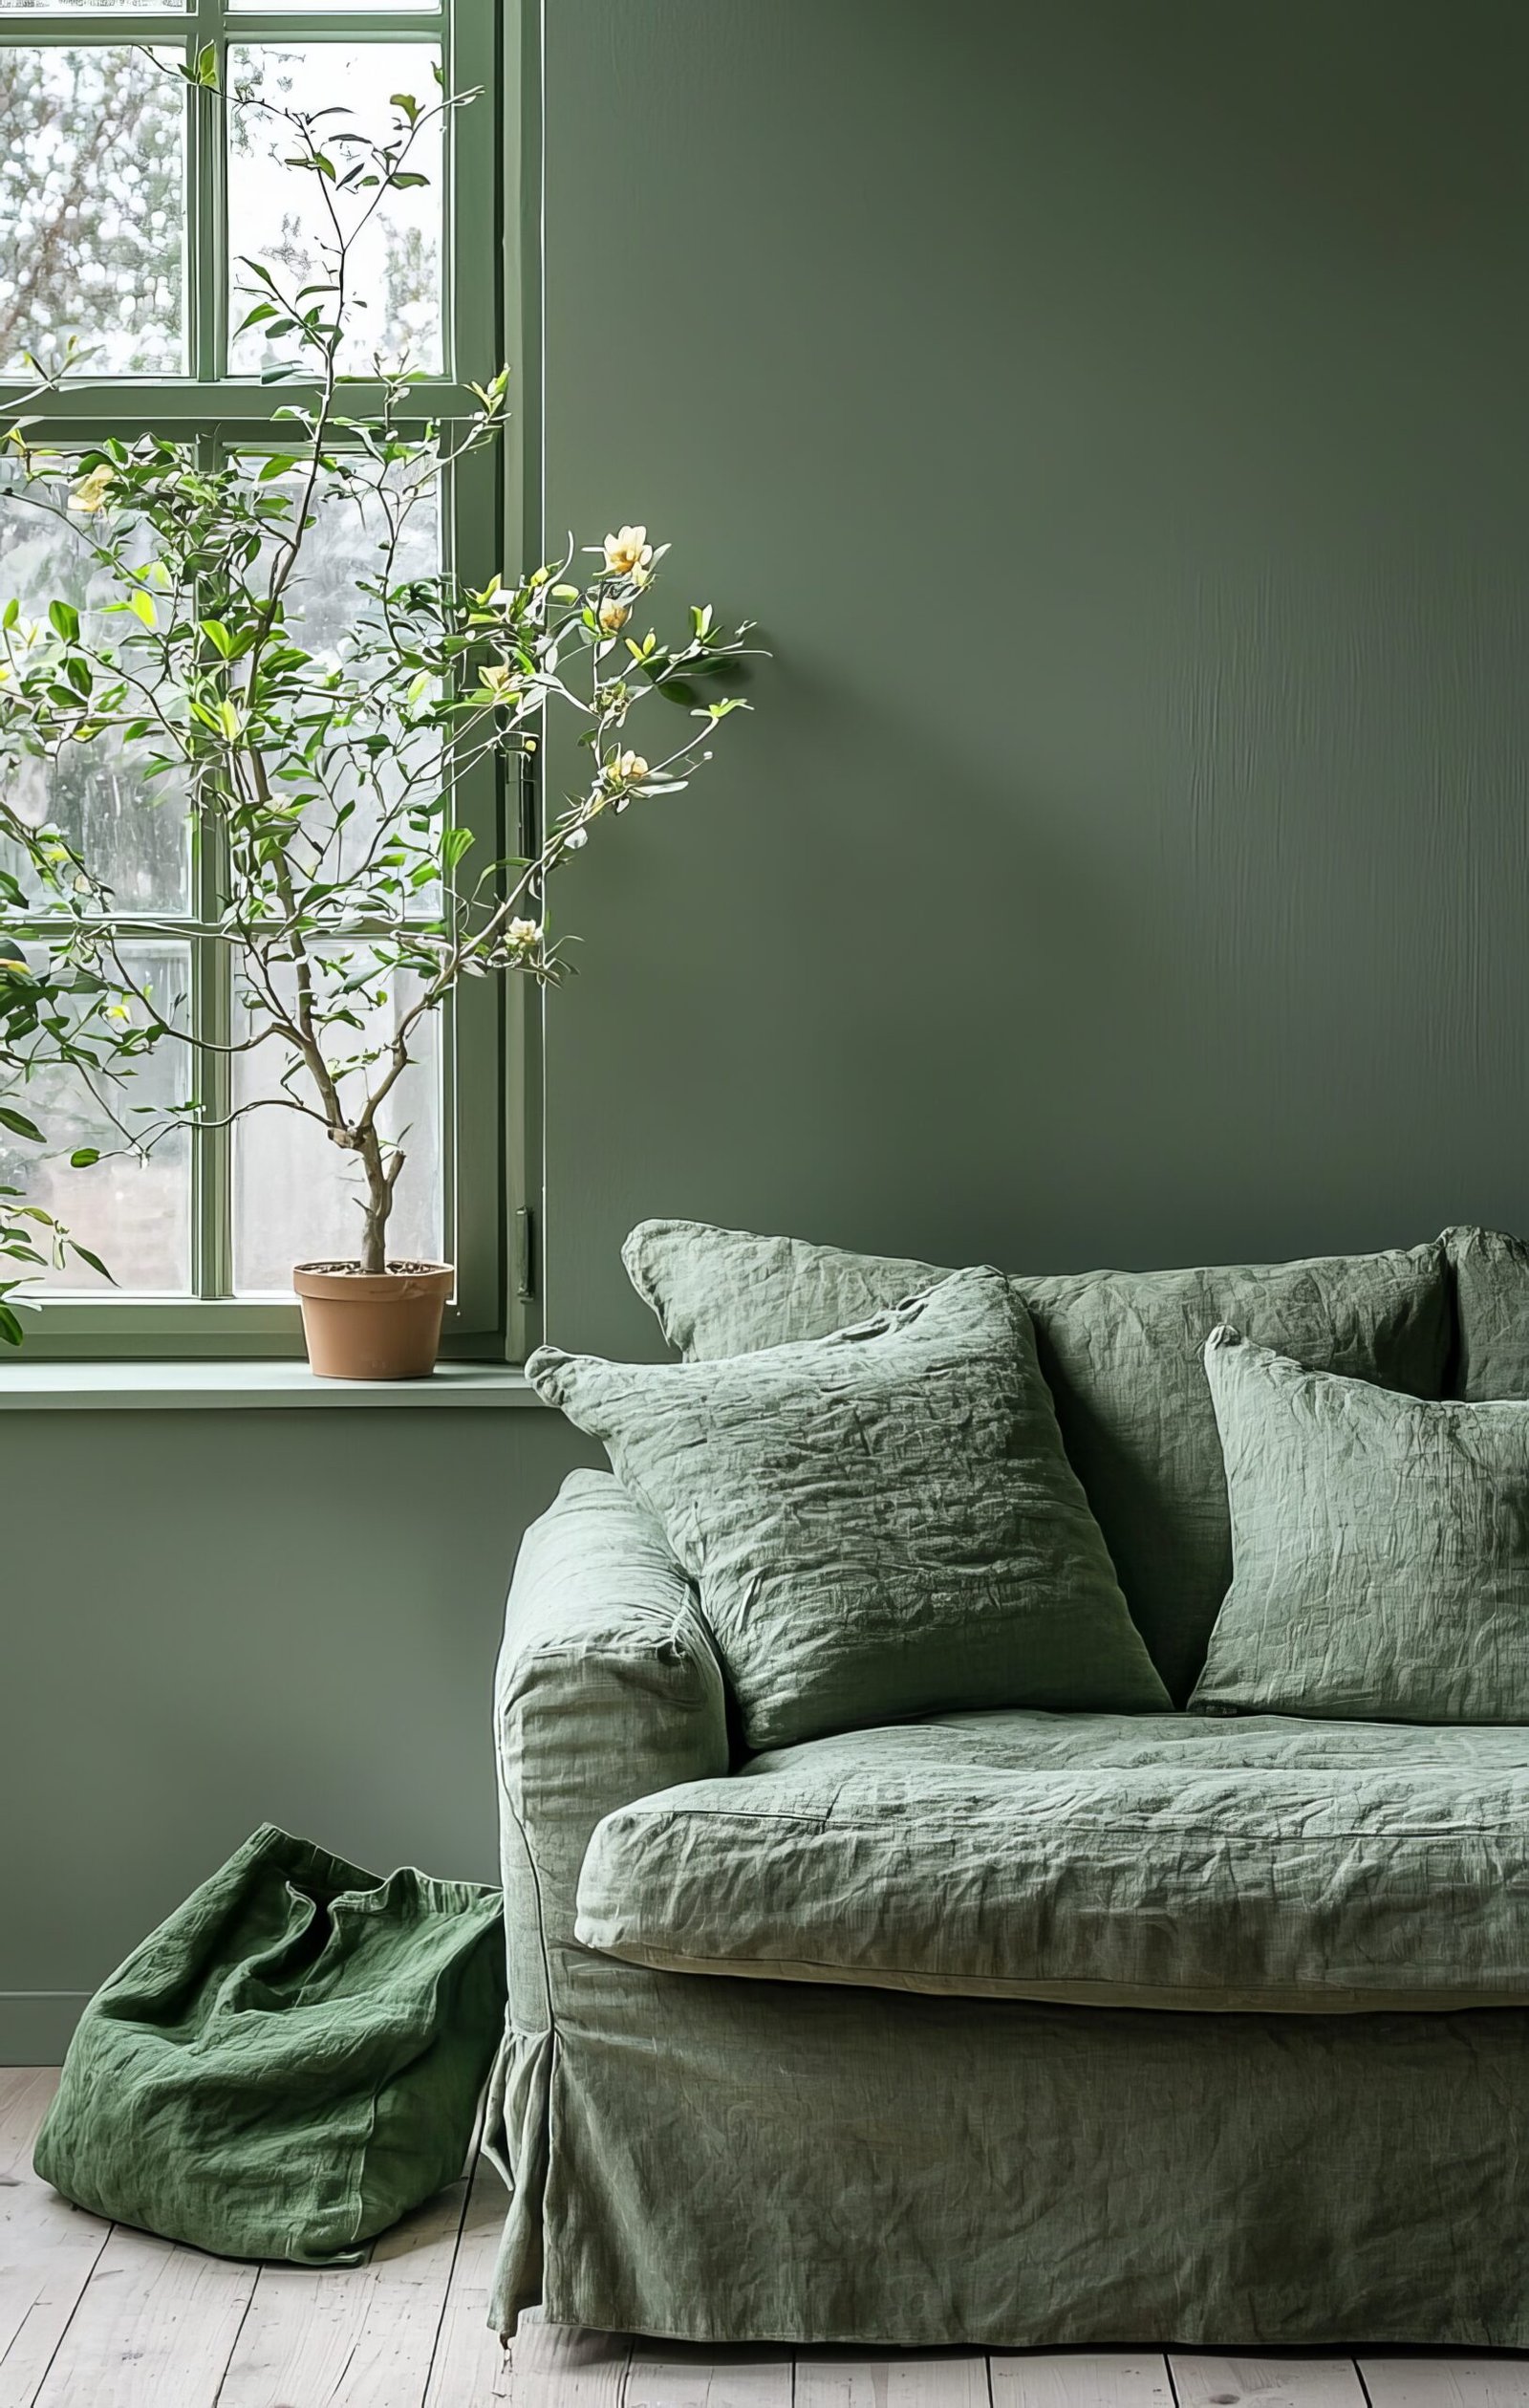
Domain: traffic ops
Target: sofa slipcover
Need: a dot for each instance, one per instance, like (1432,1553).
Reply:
(1149,1861)
(721,2160)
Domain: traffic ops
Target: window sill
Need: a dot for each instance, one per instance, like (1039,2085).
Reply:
(92,1387)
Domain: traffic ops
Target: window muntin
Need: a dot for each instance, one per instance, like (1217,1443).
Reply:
(209,1228)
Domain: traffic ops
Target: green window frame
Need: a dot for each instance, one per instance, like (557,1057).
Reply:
(489,1050)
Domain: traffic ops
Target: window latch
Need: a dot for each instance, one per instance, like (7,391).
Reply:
(525,1253)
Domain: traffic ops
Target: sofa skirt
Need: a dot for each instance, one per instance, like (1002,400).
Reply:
(719,2161)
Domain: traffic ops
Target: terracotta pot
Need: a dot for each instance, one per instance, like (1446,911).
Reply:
(373,1325)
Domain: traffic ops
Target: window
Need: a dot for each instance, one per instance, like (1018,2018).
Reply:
(127,198)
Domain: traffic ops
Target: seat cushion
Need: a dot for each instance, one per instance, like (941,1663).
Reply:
(1121,1355)
(1266,1864)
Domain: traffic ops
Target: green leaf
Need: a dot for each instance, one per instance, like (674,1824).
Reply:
(65,621)
(141,606)
(85,1255)
(11,1333)
(83,1157)
(208,67)
(217,634)
(19,1125)
(456,844)
(12,611)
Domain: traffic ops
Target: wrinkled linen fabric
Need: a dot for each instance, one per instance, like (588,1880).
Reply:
(881,1521)
(1380,1546)
(1120,1351)
(1491,1275)
(289,2063)
(738,2163)
(608,1686)
(737,2160)
(1093,1860)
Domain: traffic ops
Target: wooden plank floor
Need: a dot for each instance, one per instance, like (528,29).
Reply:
(93,2315)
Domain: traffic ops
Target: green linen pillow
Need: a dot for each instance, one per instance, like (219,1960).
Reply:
(1120,1351)
(1380,1549)
(1491,1274)
(882,1522)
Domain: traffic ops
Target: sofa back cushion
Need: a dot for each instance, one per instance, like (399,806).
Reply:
(1121,1353)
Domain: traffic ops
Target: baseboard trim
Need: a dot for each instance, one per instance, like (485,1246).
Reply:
(37,2026)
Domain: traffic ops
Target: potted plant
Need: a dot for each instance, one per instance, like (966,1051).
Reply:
(328,778)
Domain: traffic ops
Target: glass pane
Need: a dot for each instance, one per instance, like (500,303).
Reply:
(296,1197)
(92,203)
(72,7)
(279,216)
(135,1215)
(137,840)
(350,541)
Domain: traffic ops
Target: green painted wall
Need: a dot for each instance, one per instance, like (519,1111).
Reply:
(1117,415)
(214,1620)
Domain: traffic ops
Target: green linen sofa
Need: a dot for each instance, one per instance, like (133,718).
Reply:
(1015,2028)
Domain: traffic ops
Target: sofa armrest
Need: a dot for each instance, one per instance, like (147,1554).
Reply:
(608,1688)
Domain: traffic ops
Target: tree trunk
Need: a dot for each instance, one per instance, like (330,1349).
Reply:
(378,1208)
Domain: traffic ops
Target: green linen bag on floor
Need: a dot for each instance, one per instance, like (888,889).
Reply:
(289,2063)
